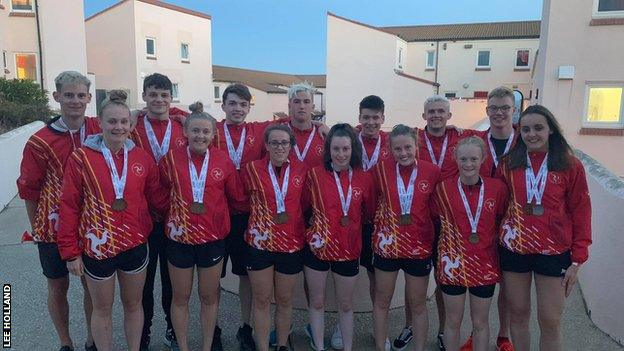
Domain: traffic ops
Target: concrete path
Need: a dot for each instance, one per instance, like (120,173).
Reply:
(32,328)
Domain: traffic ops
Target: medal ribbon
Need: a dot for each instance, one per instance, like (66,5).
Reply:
(302,156)
(493,150)
(535,185)
(366,162)
(432,155)
(235,154)
(345,204)
(280,194)
(406,196)
(158,150)
(119,183)
(474,220)
(198,182)
(71,132)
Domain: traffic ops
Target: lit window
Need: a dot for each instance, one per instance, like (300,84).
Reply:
(480,94)
(184,52)
(217,93)
(26,66)
(610,5)
(483,59)
(604,105)
(175,92)
(522,58)
(430,59)
(150,47)
(21,5)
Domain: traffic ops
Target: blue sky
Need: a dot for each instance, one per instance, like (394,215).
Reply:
(290,35)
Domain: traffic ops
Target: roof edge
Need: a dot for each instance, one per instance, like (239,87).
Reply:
(159,4)
(380,29)
(422,80)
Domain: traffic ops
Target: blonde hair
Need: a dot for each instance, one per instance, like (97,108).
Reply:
(501,92)
(474,141)
(71,77)
(115,97)
(197,112)
(305,87)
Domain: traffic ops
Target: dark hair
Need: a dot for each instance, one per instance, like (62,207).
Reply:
(402,129)
(115,97)
(239,89)
(157,81)
(559,151)
(372,102)
(343,130)
(283,128)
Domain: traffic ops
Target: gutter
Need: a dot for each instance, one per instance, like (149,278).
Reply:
(39,43)
(437,57)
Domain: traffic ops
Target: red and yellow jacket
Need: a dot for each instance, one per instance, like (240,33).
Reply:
(254,139)
(139,134)
(449,165)
(314,157)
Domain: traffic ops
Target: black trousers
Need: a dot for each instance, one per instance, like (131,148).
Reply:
(157,244)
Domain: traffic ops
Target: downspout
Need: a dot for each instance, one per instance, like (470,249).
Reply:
(435,79)
(39,43)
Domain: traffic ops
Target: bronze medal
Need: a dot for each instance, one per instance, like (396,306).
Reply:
(198,208)
(527,209)
(473,238)
(538,210)
(119,205)
(344,221)
(281,218)
(406,219)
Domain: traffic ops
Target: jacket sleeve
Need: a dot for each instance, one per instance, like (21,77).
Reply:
(71,201)
(579,207)
(32,172)
(235,190)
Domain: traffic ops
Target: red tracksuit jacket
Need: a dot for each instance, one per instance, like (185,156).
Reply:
(449,165)
(139,134)
(390,239)
(89,225)
(314,157)
(327,238)
(369,145)
(254,139)
(566,222)
(488,168)
(223,187)
(264,232)
(459,261)
(41,173)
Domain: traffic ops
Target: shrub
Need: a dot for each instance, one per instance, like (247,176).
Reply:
(21,102)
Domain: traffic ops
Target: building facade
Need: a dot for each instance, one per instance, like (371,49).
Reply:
(135,38)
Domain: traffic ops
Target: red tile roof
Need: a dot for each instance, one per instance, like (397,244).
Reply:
(468,31)
(269,82)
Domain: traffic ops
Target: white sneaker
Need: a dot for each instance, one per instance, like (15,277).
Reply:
(387,346)
(336,339)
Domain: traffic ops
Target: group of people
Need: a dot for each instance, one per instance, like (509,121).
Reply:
(109,197)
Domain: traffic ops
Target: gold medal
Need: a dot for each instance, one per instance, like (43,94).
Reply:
(281,218)
(198,208)
(473,238)
(119,205)
(344,221)
(406,219)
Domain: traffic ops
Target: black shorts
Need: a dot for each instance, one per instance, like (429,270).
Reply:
(187,256)
(484,291)
(343,268)
(132,261)
(235,246)
(548,265)
(285,263)
(366,257)
(51,262)
(413,267)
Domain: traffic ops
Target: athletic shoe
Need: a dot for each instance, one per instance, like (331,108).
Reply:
(245,338)
(441,345)
(66,348)
(145,341)
(170,338)
(468,345)
(216,340)
(387,346)
(336,339)
(308,331)
(90,348)
(401,341)
(504,344)
(273,337)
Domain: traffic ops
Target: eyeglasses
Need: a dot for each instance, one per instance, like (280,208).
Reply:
(277,144)
(504,108)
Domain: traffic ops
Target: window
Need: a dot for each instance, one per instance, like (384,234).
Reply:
(217,93)
(522,58)
(184,52)
(483,59)
(430,64)
(604,106)
(450,95)
(26,66)
(608,8)
(150,47)
(400,59)
(22,5)
(4,59)
(480,94)
(175,92)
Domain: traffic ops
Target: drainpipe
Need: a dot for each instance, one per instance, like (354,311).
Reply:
(435,79)
(39,43)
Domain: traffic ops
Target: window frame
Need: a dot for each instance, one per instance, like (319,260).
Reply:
(528,65)
(175,92)
(604,125)
(36,80)
(32,7)
(400,57)
(447,93)
(489,65)
(188,53)
(216,89)
(427,66)
(605,14)
(147,54)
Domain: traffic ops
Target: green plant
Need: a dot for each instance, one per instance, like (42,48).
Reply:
(21,102)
